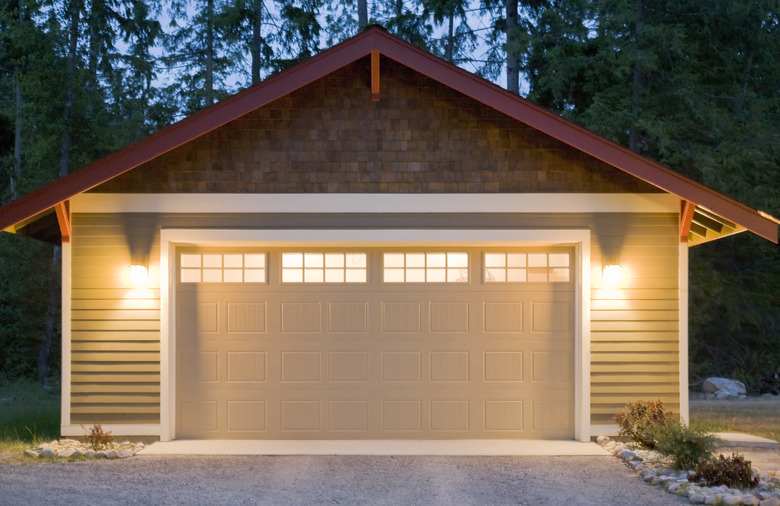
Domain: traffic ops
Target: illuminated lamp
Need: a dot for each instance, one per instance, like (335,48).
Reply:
(138,275)
(612,275)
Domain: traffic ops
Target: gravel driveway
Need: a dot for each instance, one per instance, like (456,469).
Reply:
(289,480)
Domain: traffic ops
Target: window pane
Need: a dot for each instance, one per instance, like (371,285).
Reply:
(236,261)
(334,275)
(437,260)
(394,276)
(559,260)
(436,276)
(457,260)
(334,260)
(254,260)
(516,259)
(458,275)
(313,260)
(516,275)
(356,260)
(313,276)
(560,274)
(394,259)
(495,275)
(212,275)
(292,260)
(292,276)
(537,275)
(415,275)
(190,275)
(212,260)
(495,260)
(537,260)
(415,259)
(190,260)
(254,276)
(356,276)
(233,275)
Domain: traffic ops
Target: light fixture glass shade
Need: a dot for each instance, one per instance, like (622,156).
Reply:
(138,275)
(612,275)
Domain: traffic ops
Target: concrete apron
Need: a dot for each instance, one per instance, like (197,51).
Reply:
(376,447)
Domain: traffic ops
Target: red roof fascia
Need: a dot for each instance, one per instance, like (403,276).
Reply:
(377,39)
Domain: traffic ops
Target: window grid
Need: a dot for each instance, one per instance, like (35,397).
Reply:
(434,267)
(222,268)
(511,267)
(320,267)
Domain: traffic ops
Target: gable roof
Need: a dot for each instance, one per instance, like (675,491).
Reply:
(705,213)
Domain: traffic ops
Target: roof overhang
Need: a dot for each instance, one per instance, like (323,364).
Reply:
(714,215)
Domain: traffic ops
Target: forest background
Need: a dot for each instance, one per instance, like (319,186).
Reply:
(692,84)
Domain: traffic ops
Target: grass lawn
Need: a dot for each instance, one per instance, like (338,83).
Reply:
(28,416)
(749,416)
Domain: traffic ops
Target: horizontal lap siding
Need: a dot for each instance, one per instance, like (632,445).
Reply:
(115,337)
(634,329)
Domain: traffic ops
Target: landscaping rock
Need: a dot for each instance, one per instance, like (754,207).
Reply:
(67,448)
(653,468)
(724,388)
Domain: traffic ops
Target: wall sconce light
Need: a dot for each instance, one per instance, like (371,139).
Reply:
(138,275)
(612,275)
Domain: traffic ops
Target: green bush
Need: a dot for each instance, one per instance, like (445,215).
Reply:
(641,421)
(734,472)
(684,445)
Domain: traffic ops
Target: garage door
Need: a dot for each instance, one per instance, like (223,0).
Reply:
(375,343)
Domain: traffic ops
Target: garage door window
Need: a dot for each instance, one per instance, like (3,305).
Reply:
(511,267)
(444,267)
(222,268)
(299,267)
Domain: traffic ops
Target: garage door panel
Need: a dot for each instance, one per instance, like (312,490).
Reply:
(374,361)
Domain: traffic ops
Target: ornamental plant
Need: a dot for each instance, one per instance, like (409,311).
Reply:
(97,438)
(641,421)
(683,445)
(734,472)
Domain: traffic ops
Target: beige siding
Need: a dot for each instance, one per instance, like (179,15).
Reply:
(115,338)
(634,330)
(116,328)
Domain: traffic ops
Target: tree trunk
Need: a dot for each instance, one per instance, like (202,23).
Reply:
(210,52)
(512,63)
(399,8)
(16,174)
(51,317)
(256,49)
(362,14)
(450,49)
(639,79)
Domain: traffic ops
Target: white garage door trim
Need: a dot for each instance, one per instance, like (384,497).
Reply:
(579,238)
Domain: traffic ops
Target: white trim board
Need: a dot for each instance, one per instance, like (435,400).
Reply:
(580,238)
(376,203)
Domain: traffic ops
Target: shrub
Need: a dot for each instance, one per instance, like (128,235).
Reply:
(641,420)
(684,445)
(97,438)
(734,472)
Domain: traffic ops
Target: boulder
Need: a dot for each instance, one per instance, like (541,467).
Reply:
(724,388)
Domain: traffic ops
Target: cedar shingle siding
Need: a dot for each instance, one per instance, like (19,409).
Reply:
(421,137)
